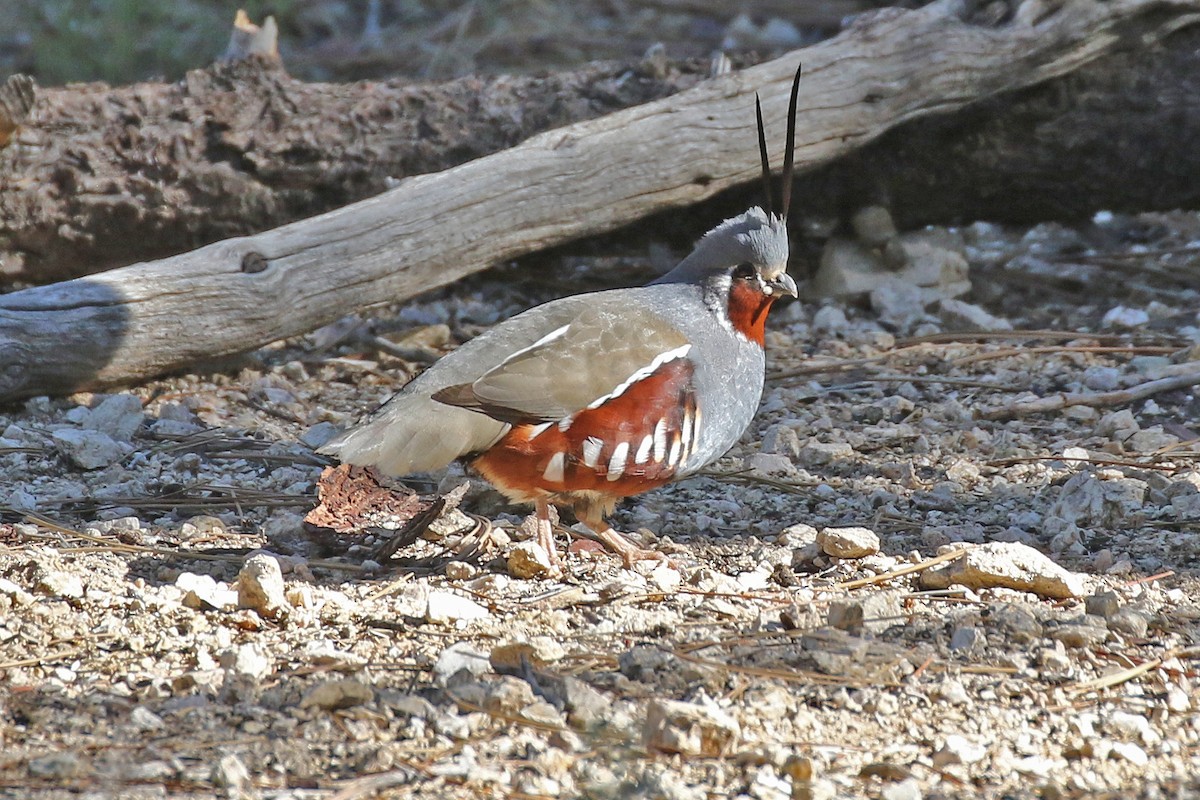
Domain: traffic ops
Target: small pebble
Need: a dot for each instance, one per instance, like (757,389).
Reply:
(952,691)
(460,657)
(118,416)
(249,660)
(1054,659)
(88,449)
(690,729)
(529,560)
(820,453)
(58,766)
(67,585)
(334,694)
(1123,317)
(145,719)
(1130,752)
(1103,604)
(1129,622)
(848,542)
(260,586)
(958,749)
(967,639)
(203,593)
(908,789)
(461,571)
(447,607)
(230,773)
(1081,633)
(1006,564)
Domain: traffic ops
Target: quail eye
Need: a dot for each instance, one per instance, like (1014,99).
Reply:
(744,271)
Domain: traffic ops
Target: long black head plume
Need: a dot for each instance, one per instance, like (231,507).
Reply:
(790,149)
(788,152)
(762,152)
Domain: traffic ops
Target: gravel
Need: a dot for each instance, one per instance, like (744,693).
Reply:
(169,627)
(693,729)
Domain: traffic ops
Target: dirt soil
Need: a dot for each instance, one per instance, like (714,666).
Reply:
(807,643)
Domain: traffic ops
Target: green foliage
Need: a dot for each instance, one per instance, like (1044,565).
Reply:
(121,41)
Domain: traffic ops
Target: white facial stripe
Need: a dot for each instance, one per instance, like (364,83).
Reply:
(718,303)
(554,470)
(591,451)
(642,373)
(549,337)
(616,464)
(643,451)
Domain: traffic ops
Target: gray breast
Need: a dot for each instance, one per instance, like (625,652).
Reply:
(728,377)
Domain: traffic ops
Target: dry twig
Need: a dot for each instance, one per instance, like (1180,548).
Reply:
(897,573)
(1098,462)
(985,336)
(788,676)
(36,660)
(372,785)
(1122,397)
(1117,678)
(1009,352)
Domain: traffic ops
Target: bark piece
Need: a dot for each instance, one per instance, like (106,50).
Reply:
(354,498)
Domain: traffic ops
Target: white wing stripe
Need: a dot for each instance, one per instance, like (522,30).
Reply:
(557,333)
(660,441)
(616,464)
(643,452)
(591,451)
(642,373)
(556,468)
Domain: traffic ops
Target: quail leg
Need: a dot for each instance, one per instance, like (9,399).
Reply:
(615,541)
(545,530)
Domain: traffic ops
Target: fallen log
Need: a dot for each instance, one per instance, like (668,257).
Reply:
(888,68)
(101,177)
(1116,135)
(104,176)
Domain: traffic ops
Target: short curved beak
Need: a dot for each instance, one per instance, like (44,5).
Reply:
(784,285)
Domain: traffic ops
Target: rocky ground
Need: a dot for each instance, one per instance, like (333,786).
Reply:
(901,584)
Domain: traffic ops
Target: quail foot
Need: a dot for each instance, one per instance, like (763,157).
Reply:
(596,397)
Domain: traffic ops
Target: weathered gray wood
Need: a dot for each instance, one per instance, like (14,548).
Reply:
(888,68)
(1117,135)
